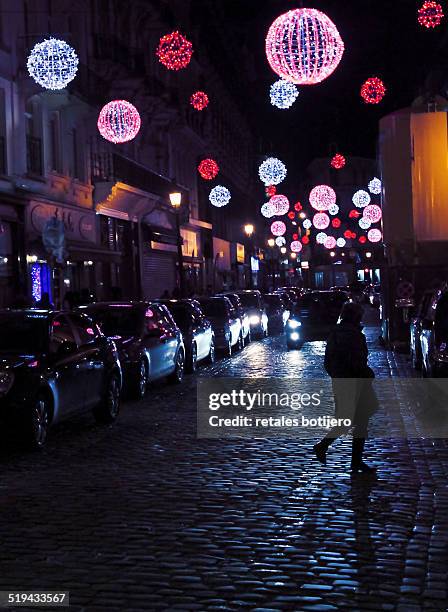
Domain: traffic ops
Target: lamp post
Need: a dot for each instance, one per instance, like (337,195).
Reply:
(271,245)
(249,230)
(176,201)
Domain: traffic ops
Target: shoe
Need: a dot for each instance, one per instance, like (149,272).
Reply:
(362,467)
(321,453)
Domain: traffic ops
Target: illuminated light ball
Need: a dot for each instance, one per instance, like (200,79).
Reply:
(295,236)
(362,239)
(219,196)
(267,210)
(291,215)
(333,209)
(353,235)
(119,121)
(296,246)
(298,206)
(430,14)
(361,199)
(338,161)
(375,186)
(199,100)
(373,91)
(374,235)
(364,223)
(322,197)
(278,228)
(208,169)
(280,204)
(372,213)
(52,63)
(336,222)
(330,242)
(280,241)
(305,240)
(321,221)
(271,190)
(354,214)
(341,242)
(272,171)
(307,224)
(283,94)
(347,234)
(174,51)
(321,237)
(304,46)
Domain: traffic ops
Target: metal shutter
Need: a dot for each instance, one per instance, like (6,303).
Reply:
(158,274)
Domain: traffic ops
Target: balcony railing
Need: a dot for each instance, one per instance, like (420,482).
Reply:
(34,156)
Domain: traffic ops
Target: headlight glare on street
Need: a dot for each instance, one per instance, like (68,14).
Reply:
(294,324)
(254,320)
(294,336)
(6,380)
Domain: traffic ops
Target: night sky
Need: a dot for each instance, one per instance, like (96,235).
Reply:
(382,38)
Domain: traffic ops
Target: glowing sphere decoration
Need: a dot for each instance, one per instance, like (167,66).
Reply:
(321,221)
(307,224)
(296,246)
(321,237)
(361,199)
(272,171)
(364,223)
(372,213)
(174,51)
(336,223)
(52,63)
(298,206)
(280,241)
(219,196)
(333,209)
(199,100)
(305,240)
(375,186)
(208,169)
(374,235)
(267,210)
(278,228)
(330,242)
(119,121)
(280,203)
(362,239)
(271,190)
(291,215)
(338,161)
(295,236)
(430,14)
(283,94)
(304,46)
(373,91)
(322,197)
(354,214)
(341,242)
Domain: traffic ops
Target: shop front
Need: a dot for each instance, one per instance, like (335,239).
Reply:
(12,256)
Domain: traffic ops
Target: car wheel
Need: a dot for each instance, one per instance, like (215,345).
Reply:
(38,423)
(211,354)
(193,360)
(140,385)
(108,410)
(177,376)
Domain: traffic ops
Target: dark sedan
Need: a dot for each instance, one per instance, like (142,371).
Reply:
(225,321)
(277,311)
(258,319)
(53,365)
(416,328)
(149,342)
(242,313)
(318,312)
(197,331)
(434,336)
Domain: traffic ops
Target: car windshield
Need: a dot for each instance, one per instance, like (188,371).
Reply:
(249,300)
(118,321)
(214,308)
(23,332)
(273,301)
(234,299)
(180,315)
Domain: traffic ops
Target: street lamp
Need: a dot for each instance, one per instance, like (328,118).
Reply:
(249,230)
(176,201)
(271,242)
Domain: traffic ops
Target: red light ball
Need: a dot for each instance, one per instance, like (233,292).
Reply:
(354,214)
(373,91)
(305,240)
(295,236)
(430,14)
(347,234)
(208,169)
(199,100)
(353,236)
(298,206)
(338,161)
(174,51)
(362,239)
(271,190)
(336,222)
(291,215)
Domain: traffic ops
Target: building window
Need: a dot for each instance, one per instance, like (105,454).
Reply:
(55,140)
(190,243)
(33,141)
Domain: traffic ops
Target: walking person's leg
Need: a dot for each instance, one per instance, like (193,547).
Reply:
(359,439)
(320,449)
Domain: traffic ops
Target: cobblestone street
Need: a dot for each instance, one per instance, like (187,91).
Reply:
(143,516)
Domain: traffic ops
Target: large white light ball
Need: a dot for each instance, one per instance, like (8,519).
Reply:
(364,223)
(267,210)
(219,196)
(272,171)
(307,224)
(375,186)
(321,237)
(52,63)
(361,199)
(341,242)
(280,241)
(283,94)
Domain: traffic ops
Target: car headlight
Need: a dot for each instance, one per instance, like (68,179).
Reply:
(254,320)
(293,324)
(6,380)
(294,336)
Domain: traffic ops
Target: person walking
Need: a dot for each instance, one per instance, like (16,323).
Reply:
(346,361)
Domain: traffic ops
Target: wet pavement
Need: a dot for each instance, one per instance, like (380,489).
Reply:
(142,515)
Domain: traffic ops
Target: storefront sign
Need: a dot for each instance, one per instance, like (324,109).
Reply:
(79,225)
(239,253)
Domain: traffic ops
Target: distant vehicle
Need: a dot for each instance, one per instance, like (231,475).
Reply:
(149,343)
(276,310)
(197,331)
(287,298)
(53,365)
(318,312)
(293,293)
(225,322)
(373,295)
(416,329)
(434,336)
(242,313)
(258,319)
(294,335)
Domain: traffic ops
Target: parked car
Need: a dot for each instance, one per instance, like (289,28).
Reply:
(258,319)
(197,331)
(318,312)
(242,313)
(53,365)
(149,343)
(278,313)
(225,322)
(434,336)
(416,328)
